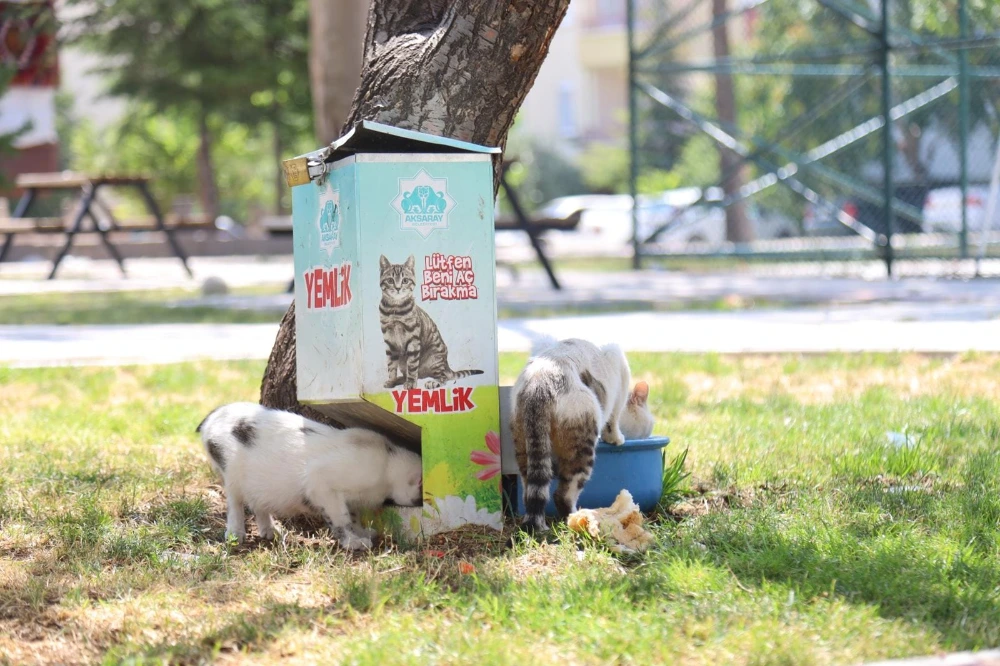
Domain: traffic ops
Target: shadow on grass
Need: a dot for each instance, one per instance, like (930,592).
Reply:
(246,632)
(908,554)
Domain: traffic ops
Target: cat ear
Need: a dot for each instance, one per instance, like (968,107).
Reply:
(640,393)
(409,262)
(383,263)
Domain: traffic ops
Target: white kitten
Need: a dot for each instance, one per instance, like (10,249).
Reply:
(281,464)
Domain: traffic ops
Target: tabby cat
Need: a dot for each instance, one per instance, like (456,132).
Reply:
(414,347)
(564,399)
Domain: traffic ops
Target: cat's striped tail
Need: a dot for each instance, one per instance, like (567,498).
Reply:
(458,374)
(535,413)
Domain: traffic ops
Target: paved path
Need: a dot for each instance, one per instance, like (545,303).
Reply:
(785,283)
(984,658)
(827,314)
(870,328)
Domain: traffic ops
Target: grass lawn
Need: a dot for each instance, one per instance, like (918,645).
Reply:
(806,535)
(160,306)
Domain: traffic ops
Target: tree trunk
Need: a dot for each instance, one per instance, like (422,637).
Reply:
(458,68)
(336,47)
(206,169)
(910,147)
(738,228)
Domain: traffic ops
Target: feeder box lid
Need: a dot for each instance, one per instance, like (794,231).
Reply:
(371,137)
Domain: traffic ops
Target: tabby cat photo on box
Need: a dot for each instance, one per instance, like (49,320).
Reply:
(415,349)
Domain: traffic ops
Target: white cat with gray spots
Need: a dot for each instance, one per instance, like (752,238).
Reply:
(282,465)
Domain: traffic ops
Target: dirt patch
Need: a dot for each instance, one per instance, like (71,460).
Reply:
(42,642)
(710,500)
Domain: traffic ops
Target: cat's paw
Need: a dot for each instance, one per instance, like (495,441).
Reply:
(351,541)
(432,384)
(392,383)
(615,438)
(534,525)
(239,535)
(365,532)
(410,384)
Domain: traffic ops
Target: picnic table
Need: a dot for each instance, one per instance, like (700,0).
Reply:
(533,227)
(90,208)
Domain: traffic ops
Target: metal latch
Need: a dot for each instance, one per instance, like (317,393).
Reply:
(300,170)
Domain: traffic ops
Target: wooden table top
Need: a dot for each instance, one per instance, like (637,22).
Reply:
(69,180)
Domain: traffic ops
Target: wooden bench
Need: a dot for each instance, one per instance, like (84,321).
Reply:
(277,225)
(172,221)
(90,208)
(533,227)
(539,224)
(32,225)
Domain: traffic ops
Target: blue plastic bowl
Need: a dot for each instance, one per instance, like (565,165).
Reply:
(636,466)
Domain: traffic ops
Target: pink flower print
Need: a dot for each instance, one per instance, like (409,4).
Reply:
(489,459)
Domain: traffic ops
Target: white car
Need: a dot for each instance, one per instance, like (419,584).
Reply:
(606,220)
(943,209)
(705,226)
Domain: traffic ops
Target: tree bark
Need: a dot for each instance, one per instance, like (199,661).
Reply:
(336,48)
(457,68)
(738,227)
(206,169)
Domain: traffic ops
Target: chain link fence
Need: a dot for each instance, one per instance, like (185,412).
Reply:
(757,128)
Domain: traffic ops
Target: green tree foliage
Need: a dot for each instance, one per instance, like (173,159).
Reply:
(540,173)
(204,68)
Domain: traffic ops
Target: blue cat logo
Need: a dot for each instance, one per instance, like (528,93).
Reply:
(423,203)
(423,200)
(329,223)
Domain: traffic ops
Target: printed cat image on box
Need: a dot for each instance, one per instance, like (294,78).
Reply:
(415,349)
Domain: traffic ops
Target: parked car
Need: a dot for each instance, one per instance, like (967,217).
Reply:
(706,225)
(820,221)
(609,218)
(943,209)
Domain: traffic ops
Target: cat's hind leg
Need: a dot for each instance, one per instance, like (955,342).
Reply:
(569,489)
(265,526)
(575,445)
(360,529)
(333,505)
(235,517)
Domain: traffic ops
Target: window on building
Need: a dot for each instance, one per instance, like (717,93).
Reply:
(610,13)
(567,111)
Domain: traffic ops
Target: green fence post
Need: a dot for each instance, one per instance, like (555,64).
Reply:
(963,126)
(633,139)
(887,145)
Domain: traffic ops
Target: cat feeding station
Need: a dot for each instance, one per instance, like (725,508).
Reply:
(395,315)
(395,307)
